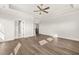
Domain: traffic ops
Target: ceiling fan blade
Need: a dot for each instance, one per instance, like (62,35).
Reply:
(46,8)
(39,7)
(36,11)
(40,13)
(45,11)
(41,4)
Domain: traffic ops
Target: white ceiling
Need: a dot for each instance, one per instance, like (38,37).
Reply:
(56,10)
(29,8)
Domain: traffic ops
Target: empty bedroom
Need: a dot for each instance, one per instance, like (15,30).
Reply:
(39,29)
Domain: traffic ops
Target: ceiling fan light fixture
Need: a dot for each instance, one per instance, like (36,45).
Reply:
(42,9)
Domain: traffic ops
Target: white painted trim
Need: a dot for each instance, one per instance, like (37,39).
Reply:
(59,36)
(74,39)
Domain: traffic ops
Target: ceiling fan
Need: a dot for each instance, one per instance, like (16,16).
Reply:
(42,9)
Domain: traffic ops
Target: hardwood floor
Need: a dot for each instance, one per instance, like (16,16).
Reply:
(31,46)
(7,47)
(60,46)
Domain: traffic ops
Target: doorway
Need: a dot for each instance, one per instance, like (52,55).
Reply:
(19,28)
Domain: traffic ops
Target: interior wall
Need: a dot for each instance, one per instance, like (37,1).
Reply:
(66,26)
(27,28)
(8,18)
(7,28)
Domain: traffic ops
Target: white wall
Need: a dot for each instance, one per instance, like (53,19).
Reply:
(7,19)
(66,26)
(7,27)
(27,28)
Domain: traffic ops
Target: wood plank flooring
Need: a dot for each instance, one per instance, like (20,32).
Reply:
(7,47)
(30,46)
(61,46)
